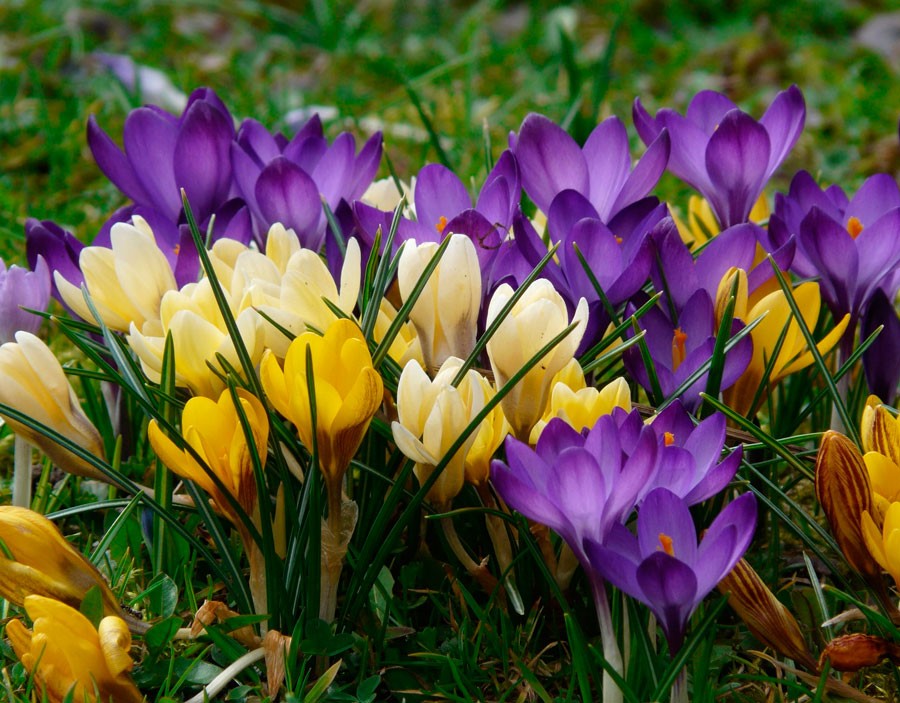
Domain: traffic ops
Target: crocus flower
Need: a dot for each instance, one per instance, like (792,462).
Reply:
(446,311)
(690,458)
(164,154)
(663,566)
(431,415)
(853,244)
(126,282)
(723,152)
(536,318)
(488,438)
(69,658)
(34,384)
(192,316)
(213,430)
(578,484)
(37,559)
(882,373)
(287,181)
(880,433)
(777,323)
(21,288)
(583,405)
(442,206)
(348,392)
(600,173)
(678,351)
(58,247)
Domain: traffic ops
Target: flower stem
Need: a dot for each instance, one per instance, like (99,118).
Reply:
(611,691)
(214,687)
(679,690)
(21,488)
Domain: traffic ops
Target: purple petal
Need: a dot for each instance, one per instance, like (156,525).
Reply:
(113,162)
(832,251)
(202,161)
(688,147)
(646,174)
(59,248)
(670,589)
(716,479)
(648,128)
(486,236)
(737,159)
(550,161)
(876,196)
(305,152)
(784,122)
(739,515)
(257,142)
(286,194)
(880,359)
(439,193)
(664,514)
(567,208)
(334,171)
(707,109)
(502,191)
(615,560)
(736,246)
(608,161)
(365,168)
(150,145)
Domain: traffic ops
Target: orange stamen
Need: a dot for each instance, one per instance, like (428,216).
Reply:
(441,224)
(666,543)
(177,249)
(618,240)
(668,439)
(678,352)
(854,227)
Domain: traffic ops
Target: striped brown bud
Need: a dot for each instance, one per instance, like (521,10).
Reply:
(765,616)
(844,491)
(854,652)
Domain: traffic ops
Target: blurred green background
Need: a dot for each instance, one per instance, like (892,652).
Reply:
(429,73)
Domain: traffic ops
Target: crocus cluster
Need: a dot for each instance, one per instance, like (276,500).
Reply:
(500,345)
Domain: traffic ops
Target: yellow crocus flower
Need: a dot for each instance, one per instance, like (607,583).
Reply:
(126,282)
(794,354)
(66,654)
(213,429)
(884,544)
(34,383)
(38,560)
(583,407)
(488,437)
(348,391)
(702,225)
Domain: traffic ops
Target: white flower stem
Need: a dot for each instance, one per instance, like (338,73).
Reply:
(679,691)
(215,687)
(21,488)
(611,691)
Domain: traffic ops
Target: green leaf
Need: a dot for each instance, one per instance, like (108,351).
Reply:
(162,633)
(92,605)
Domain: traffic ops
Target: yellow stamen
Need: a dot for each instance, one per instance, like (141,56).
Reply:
(854,227)
(666,544)
(618,240)
(668,439)
(441,224)
(678,352)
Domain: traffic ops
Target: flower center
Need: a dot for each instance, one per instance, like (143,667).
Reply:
(854,227)
(441,224)
(666,544)
(668,439)
(678,353)
(177,249)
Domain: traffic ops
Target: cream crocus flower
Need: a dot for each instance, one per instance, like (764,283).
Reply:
(446,311)
(489,436)
(198,331)
(536,318)
(37,559)
(385,195)
(69,658)
(126,283)
(305,286)
(777,320)
(34,384)
(432,414)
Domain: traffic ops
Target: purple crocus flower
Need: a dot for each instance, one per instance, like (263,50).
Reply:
(443,206)
(599,174)
(853,244)
(21,288)
(663,566)
(58,247)
(163,155)
(680,349)
(689,461)
(723,152)
(286,181)
(579,485)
